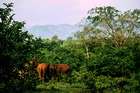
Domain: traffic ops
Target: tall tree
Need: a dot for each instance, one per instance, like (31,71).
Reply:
(114,24)
(16,45)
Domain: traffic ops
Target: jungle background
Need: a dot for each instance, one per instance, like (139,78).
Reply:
(104,54)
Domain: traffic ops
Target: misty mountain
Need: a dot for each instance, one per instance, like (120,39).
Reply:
(63,31)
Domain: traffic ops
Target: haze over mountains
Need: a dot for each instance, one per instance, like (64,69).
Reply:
(63,31)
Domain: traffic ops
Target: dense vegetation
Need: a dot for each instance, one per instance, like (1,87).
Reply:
(17,47)
(104,55)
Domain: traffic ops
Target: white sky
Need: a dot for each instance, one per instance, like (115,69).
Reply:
(43,12)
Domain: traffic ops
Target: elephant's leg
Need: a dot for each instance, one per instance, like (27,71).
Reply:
(39,73)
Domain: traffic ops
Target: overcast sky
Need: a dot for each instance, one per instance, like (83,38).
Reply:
(44,12)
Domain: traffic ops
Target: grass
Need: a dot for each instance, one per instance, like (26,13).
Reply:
(67,90)
(60,87)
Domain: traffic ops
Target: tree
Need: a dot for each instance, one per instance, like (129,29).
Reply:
(111,41)
(113,24)
(17,47)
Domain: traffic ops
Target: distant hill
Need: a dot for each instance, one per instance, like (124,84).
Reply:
(63,31)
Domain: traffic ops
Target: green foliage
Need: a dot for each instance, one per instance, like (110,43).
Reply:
(105,54)
(17,47)
(113,62)
(62,87)
(56,52)
(104,57)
